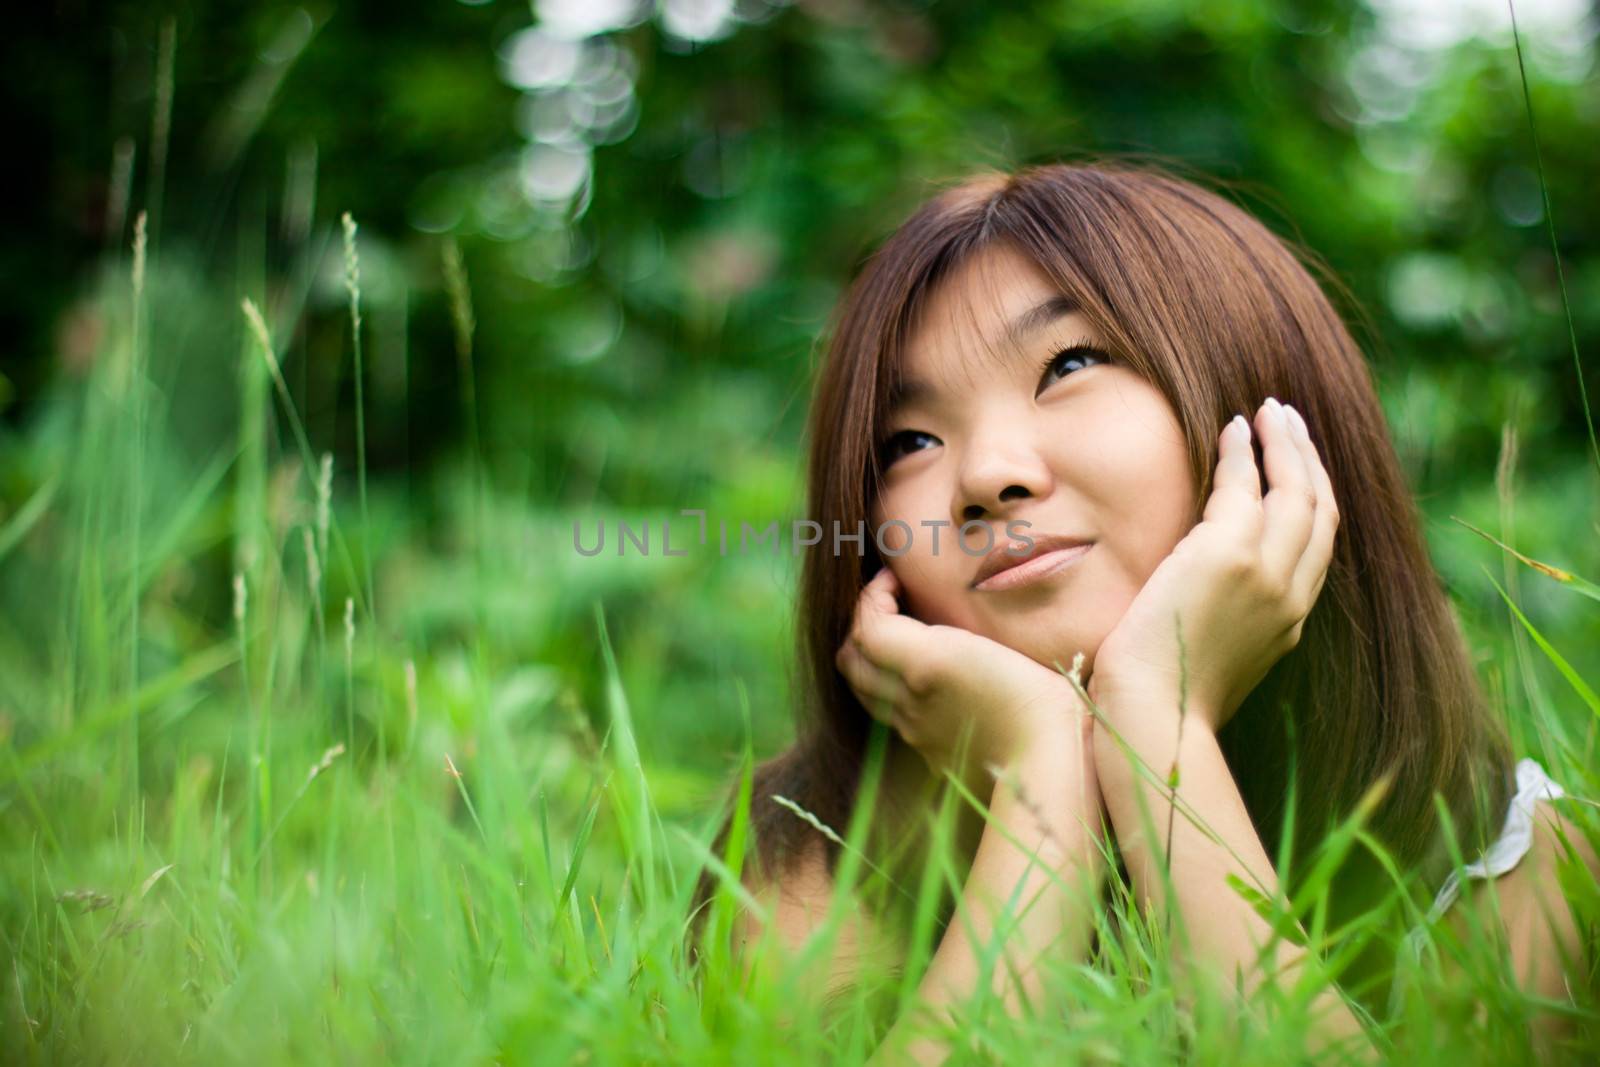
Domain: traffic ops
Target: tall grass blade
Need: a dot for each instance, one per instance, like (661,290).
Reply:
(1566,578)
(1555,247)
(135,397)
(27,516)
(1573,678)
(633,790)
(352,284)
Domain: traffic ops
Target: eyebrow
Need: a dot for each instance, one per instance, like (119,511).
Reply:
(913,390)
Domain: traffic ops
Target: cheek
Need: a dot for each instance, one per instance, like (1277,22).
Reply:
(1150,520)
(1145,490)
(933,591)
(934,582)
(1137,495)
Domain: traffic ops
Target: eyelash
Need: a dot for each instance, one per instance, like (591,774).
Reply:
(1082,351)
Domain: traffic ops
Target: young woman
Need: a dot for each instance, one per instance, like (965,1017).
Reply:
(1046,394)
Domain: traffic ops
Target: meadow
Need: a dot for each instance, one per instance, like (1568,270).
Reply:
(319,742)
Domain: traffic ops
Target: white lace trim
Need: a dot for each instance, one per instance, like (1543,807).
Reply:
(1505,853)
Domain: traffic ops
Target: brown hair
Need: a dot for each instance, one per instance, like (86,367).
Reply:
(1216,311)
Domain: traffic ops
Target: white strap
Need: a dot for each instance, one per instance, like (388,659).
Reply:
(1515,839)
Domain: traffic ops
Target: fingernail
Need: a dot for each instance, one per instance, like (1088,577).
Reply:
(1296,421)
(1243,427)
(1275,412)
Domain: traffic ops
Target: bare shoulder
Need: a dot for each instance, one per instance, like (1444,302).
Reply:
(794,897)
(1546,944)
(797,900)
(1560,839)
(1529,896)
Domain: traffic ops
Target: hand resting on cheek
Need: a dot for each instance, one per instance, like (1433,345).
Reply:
(1242,581)
(942,687)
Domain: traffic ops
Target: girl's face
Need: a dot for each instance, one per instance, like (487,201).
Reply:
(1013,413)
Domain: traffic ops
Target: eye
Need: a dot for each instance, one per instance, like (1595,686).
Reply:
(898,444)
(1073,358)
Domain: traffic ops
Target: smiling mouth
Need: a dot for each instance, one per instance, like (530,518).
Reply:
(1035,569)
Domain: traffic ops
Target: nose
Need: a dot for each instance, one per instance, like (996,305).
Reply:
(998,468)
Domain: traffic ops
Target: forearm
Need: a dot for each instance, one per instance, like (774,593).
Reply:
(1033,884)
(1217,931)
(1221,928)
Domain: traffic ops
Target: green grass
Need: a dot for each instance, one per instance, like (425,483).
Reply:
(287,776)
(296,831)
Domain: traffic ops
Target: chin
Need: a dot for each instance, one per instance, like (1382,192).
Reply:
(1045,647)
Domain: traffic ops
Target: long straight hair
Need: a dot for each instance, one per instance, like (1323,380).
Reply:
(1217,312)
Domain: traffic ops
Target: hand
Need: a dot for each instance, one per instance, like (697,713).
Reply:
(935,684)
(1243,580)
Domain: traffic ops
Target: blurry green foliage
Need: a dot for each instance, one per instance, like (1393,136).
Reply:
(657,207)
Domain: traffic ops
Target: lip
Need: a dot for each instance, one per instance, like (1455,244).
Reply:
(1050,553)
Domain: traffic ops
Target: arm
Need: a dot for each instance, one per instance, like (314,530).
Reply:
(1050,803)
(965,703)
(1221,927)
(1228,602)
